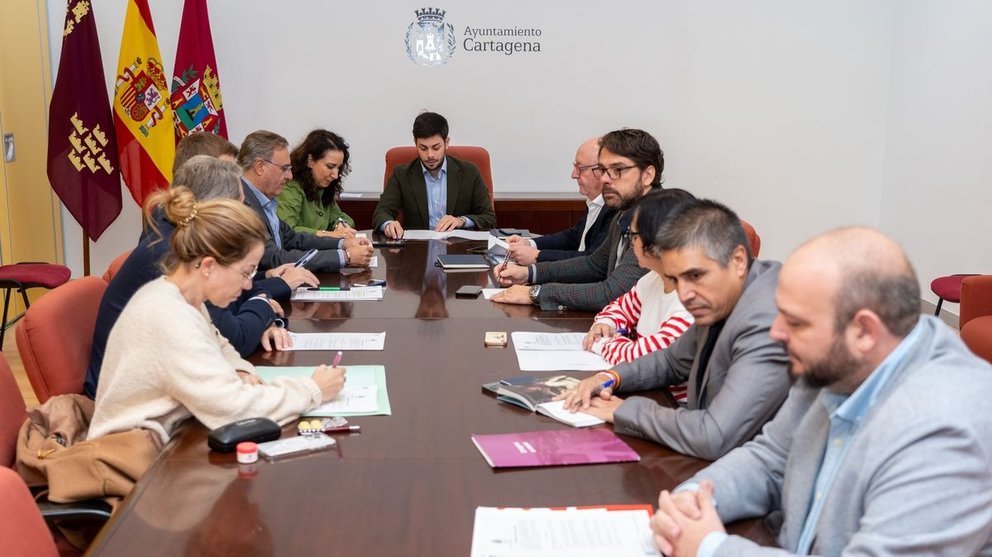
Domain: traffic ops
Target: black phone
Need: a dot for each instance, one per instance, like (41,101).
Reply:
(389,243)
(468,291)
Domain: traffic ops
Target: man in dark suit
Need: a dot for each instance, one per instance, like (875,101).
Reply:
(434,191)
(587,233)
(630,166)
(264,159)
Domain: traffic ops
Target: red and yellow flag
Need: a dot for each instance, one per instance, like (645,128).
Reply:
(196,96)
(142,116)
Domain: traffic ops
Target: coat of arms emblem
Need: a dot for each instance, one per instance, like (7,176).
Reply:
(429,40)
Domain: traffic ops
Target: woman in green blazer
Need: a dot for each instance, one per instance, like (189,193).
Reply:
(309,201)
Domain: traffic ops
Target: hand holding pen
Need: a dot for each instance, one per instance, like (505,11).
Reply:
(580,397)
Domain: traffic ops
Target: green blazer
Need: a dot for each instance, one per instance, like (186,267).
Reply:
(406,191)
(296,210)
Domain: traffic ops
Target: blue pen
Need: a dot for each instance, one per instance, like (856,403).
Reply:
(606,385)
(622,331)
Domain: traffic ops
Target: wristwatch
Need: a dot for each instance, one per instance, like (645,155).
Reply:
(535,294)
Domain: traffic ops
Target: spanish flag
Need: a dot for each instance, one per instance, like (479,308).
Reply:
(142,116)
(82,154)
(196,96)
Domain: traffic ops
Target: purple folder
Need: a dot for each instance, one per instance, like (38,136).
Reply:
(556,447)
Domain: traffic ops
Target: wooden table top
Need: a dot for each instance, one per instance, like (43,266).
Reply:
(407,484)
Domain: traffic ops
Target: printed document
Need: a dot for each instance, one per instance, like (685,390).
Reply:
(355,294)
(554,352)
(338,341)
(505,532)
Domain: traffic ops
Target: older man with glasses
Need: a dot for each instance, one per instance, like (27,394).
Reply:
(587,233)
(264,158)
(630,164)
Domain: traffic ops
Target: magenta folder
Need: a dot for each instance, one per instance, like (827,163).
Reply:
(557,447)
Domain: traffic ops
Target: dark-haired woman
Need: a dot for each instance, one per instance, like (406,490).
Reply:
(309,201)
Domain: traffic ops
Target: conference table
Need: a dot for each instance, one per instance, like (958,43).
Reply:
(408,483)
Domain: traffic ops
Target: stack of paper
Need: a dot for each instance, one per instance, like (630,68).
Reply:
(354,294)
(338,341)
(554,352)
(621,531)
(364,393)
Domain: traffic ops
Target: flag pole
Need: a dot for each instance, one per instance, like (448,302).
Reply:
(86,255)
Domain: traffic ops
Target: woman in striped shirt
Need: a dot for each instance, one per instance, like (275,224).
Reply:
(650,316)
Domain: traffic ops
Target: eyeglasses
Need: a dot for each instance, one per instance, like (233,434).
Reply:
(248,276)
(580,168)
(613,172)
(630,234)
(284,167)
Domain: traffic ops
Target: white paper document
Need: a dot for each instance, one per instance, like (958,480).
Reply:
(488,293)
(338,341)
(350,195)
(570,532)
(351,399)
(356,293)
(457,233)
(556,410)
(554,352)
(497,246)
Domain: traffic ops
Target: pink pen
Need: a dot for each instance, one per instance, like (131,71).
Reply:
(337,359)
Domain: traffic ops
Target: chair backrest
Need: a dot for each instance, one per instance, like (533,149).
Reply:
(12,413)
(55,336)
(752,238)
(475,155)
(23,531)
(115,266)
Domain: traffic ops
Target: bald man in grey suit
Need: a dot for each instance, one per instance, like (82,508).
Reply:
(883,446)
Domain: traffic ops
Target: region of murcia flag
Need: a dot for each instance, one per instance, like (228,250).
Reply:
(82,153)
(196,99)
(142,117)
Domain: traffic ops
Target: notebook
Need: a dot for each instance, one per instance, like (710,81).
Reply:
(560,447)
(537,395)
(463,261)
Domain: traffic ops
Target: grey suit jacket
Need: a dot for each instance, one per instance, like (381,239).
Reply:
(294,244)
(743,385)
(917,478)
(589,282)
(406,191)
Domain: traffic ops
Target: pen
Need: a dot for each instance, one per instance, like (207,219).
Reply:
(306,258)
(343,429)
(337,359)
(606,385)
(324,288)
(622,331)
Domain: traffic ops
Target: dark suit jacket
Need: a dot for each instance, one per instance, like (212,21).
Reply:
(590,282)
(406,191)
(294,244)
(565,244)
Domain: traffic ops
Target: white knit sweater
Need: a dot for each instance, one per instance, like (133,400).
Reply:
(165,362)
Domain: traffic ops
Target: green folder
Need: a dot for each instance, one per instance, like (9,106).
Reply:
(358,376)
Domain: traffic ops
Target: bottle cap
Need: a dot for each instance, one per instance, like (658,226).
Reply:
(247,452)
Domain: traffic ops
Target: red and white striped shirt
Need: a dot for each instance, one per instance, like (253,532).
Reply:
(648,319)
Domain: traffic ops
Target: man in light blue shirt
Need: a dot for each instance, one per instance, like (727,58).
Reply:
(882,447)
(434,191)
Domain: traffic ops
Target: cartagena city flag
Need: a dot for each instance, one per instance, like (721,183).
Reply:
(142,117)
(82,153)
(196,100)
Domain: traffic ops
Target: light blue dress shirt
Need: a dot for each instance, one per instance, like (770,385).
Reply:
(437,193)
(269,208)
(846,414)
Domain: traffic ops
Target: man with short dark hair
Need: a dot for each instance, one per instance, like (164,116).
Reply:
(735,371)
(882,447)
(264,159)
(587,233)
(435,191)
(630,165)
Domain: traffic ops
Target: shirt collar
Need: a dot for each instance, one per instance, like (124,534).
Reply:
(442,172)
(598,201)
(262,198)
(852,408)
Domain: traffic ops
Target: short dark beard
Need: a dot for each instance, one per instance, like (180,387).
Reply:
(838,364)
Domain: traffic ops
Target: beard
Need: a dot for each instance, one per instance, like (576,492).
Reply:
(836,365)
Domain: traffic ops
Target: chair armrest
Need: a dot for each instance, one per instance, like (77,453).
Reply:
(976,298)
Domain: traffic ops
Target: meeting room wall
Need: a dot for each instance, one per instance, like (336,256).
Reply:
(777,108)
